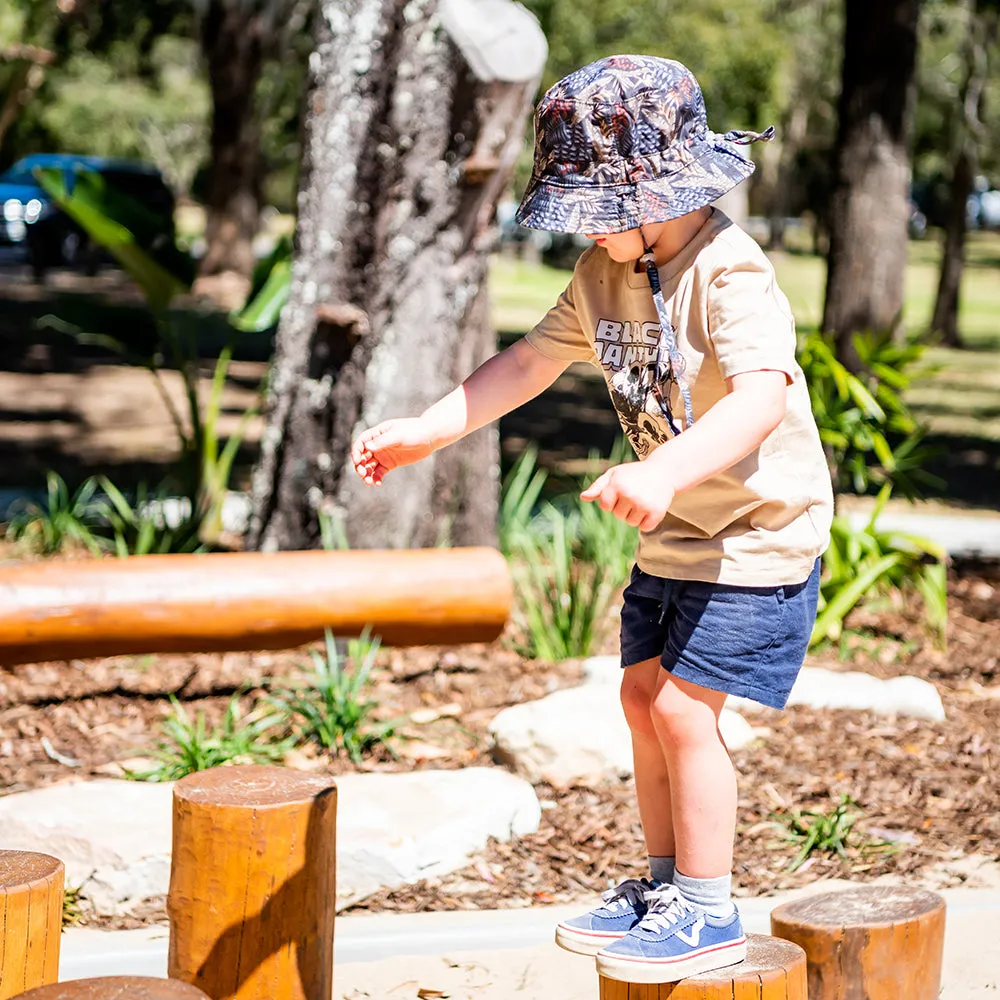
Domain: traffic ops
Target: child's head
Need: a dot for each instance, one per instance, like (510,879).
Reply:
(624,143)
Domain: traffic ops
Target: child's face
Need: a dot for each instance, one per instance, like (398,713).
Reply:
(621,247)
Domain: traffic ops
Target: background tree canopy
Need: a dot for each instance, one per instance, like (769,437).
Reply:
(127,77)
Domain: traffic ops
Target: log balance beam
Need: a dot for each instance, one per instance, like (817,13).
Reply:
(233,601)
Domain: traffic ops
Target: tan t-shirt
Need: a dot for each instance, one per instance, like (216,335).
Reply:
(764,521)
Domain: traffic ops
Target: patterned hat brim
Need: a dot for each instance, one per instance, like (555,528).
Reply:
(585,207)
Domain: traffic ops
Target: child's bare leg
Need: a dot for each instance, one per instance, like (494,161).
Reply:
(702,779)
(652,779)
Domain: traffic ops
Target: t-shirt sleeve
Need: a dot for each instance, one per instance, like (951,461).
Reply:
(559,334)
(750,322)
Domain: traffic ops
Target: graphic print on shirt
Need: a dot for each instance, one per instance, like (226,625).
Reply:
(627,353)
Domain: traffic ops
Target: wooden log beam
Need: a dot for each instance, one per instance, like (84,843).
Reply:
(248,600)
(772,970)
(31,905)
(875,942)
(253,883)
(116,988)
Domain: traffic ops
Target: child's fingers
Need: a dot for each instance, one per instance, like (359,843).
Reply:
(376,475)
(596,488)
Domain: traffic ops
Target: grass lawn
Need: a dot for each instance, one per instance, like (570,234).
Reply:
(962,398)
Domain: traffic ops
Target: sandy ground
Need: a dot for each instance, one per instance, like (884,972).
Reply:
(545,972)
(504,954)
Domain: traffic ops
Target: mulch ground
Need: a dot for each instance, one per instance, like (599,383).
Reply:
(927,795)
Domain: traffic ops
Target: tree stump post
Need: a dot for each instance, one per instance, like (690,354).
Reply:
(773,970)
(31,905)
(876,942)
(116,988)
(253,883)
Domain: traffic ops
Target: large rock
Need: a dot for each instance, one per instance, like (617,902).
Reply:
(115,836)
(579,736)
(819,688)
(394,829)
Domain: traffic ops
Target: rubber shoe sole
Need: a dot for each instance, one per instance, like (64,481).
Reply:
(670,970)
(583,942)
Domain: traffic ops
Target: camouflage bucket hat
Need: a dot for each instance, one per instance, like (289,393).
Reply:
(624,142)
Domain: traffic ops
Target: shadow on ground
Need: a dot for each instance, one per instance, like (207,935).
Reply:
(72,421)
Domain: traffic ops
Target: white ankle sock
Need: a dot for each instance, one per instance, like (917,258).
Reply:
(711,894)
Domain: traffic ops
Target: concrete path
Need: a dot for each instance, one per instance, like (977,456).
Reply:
(960,534)
(498,955)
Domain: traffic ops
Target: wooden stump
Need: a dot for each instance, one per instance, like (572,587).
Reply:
(876,942)
(116,988)
(773,970)
(253,883)
(31,905)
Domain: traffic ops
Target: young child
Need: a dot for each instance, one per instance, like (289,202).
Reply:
(680,310)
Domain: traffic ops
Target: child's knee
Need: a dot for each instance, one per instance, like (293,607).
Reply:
(681,722)
(637,699)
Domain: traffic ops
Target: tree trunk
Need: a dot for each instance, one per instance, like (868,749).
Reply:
(411,137)
(870,205)
(945,321)
(233,46)
(966,126)
(793,135)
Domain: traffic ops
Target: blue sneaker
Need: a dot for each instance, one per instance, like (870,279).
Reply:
(622,908)
(673,941)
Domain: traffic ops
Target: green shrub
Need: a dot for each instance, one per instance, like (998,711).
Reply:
(519,499)
(562,599)
(62,522)
(606,540)
(865,562)
(187,745)
(330,707)
(142,529)
(829,833)
(869,433)
(567,557)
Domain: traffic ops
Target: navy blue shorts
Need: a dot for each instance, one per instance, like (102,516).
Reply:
(745,641)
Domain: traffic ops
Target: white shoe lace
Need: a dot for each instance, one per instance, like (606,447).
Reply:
(667,907)
(631,892)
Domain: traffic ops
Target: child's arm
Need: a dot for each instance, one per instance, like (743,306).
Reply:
(496,387)
(640,493)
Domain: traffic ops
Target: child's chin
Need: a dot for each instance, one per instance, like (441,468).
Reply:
(618,256)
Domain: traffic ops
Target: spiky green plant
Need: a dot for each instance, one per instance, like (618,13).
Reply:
(63,521)
(188,744)
(865,562)
(330,707)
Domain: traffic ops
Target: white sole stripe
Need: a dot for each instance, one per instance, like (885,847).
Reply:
(679,958)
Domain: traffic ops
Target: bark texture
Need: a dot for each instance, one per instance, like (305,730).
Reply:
(870,205)
(406,154)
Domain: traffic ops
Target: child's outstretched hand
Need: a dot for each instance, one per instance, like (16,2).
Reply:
(634,492)
(389,445)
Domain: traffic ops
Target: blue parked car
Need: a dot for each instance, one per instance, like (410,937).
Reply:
(50,238)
